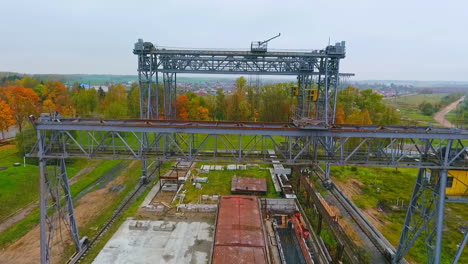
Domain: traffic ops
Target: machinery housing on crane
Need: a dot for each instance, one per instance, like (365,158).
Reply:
(261,46)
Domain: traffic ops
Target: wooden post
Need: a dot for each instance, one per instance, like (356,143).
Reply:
(339,253)
(319,225)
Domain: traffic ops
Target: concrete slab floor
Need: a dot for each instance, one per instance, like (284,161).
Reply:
(189,242)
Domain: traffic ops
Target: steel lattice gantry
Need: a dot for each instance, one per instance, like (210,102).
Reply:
(319,67)
(433,150)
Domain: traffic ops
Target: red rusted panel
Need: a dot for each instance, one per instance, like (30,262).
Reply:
(248,185)
(238,255)
(239,231)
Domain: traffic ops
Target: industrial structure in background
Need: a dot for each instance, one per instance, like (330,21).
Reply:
(316,145)
(319,67)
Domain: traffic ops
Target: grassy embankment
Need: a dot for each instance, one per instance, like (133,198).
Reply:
(398,184)
(20,187)
(408,106)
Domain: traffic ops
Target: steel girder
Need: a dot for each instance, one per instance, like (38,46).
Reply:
(224,142)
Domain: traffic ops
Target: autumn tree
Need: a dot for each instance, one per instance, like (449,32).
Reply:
(23,102)
(49,106)
(340,115)
(197,107)
(275,103)
(29,82)
(182,104)
(363,107)
(220,105)
(115,102)
(6,117)
(365,117)
(237,106)
(241,83)
(55,94)
(134,102)
(85,101)
(203,113)
(354,117)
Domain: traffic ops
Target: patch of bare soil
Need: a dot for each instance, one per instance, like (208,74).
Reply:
(351,187)
(440,116)
(375,217)
(26,249)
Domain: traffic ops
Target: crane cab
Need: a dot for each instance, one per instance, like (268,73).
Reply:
(457,182)
(261,46)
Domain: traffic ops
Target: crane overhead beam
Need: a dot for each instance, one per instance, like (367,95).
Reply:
(367,145)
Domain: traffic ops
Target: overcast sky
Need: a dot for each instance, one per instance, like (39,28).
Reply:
(398,39)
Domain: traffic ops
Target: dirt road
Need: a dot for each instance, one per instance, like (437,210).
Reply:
(23,213)
(88,208)
(440,116)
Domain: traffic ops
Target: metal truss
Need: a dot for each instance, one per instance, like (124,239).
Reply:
(315,66)
(426,211)
(56,203)
(390,146)
(425,215)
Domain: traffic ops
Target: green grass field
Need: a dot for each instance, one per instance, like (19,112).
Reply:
(398,184)
(86,180)
(20,185)
(408,105)
(219,182)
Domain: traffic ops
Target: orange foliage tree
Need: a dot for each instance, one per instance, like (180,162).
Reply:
(182,103)
(6,117)
(23,102)
(340,115)
(56,97)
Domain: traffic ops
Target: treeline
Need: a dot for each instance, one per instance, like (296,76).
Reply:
(274,103)
(356,106)
(269,103)
(429,109)
(20,98)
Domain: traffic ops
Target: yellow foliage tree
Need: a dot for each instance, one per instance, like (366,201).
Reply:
(49,106)
(203,113)
(365,117)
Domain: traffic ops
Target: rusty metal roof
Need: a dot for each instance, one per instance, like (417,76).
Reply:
(244,184)
(238,254)
(239,231)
